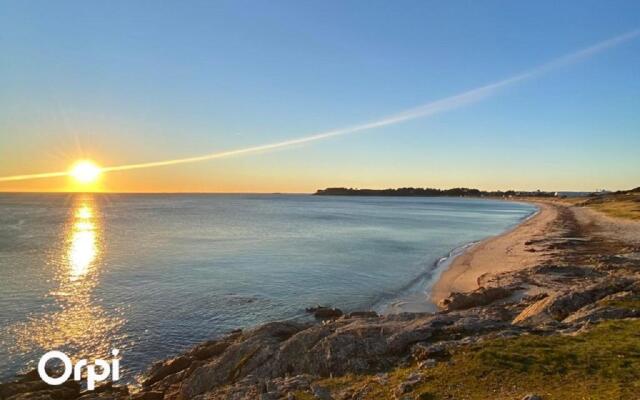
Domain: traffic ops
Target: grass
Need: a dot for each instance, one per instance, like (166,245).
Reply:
(603,363)
(627,304)
(619,208)
(618,205)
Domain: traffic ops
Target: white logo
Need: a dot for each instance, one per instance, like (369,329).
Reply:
(92,376)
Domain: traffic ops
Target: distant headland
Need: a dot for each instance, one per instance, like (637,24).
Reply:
(431,192)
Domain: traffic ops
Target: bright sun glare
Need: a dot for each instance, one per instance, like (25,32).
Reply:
(85,171)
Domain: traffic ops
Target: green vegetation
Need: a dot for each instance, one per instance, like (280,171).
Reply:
(603,363)
(632,303)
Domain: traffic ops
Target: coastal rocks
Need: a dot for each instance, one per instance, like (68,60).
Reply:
(252,354)
(163,369)
(479,297)
(428,363)
(616,306)
(536,313)
(30,386)
(51,394)
(409,385)
(151,395)
(324,313)
(572,271)
(359,345)
(321,392)
(212,348)
(333,348)
(559,306)
(250,388)
(293,383)
(363,314)
(165,377)
(423,352)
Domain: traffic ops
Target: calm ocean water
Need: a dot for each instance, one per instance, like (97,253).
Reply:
(152,275)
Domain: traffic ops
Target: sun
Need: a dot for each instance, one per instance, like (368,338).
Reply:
(85,171)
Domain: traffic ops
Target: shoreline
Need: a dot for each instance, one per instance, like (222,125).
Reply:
(505,252)
(417,299)
(421,297)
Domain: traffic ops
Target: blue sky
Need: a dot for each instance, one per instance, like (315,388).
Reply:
(128,82)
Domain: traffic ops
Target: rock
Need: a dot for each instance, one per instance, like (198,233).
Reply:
(428,363)
(535,297)
(163,369)
(536,313)
(12,388)
(30,386)
(608,308)
(253,354)
(60,393)
(559,306)
(342,346)
(33,375)
(563,270)
(363,314)
(382,378)
(532,397)
(424,351)
(321,392)
(293,383)
(408,385)
(479,297)
(106,392)
(324,313)
(151,395)
(209,350)
(103,396)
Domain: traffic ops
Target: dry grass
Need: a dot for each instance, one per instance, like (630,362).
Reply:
(616,205)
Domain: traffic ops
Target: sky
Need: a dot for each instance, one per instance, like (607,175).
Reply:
(135,82)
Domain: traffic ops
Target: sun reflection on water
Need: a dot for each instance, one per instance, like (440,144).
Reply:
(77,324)
(83,248)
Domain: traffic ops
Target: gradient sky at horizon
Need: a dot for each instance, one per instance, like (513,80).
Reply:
(128,82)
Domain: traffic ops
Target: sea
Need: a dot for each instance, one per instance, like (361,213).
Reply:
(154,274)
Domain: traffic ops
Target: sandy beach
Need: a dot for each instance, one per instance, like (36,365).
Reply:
(461,270)
(516,249)
(505,252)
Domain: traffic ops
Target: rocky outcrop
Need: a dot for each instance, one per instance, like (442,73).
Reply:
(559,306)
(255,362)
(616,306)
(30,387)
(479,297)
(324,313)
